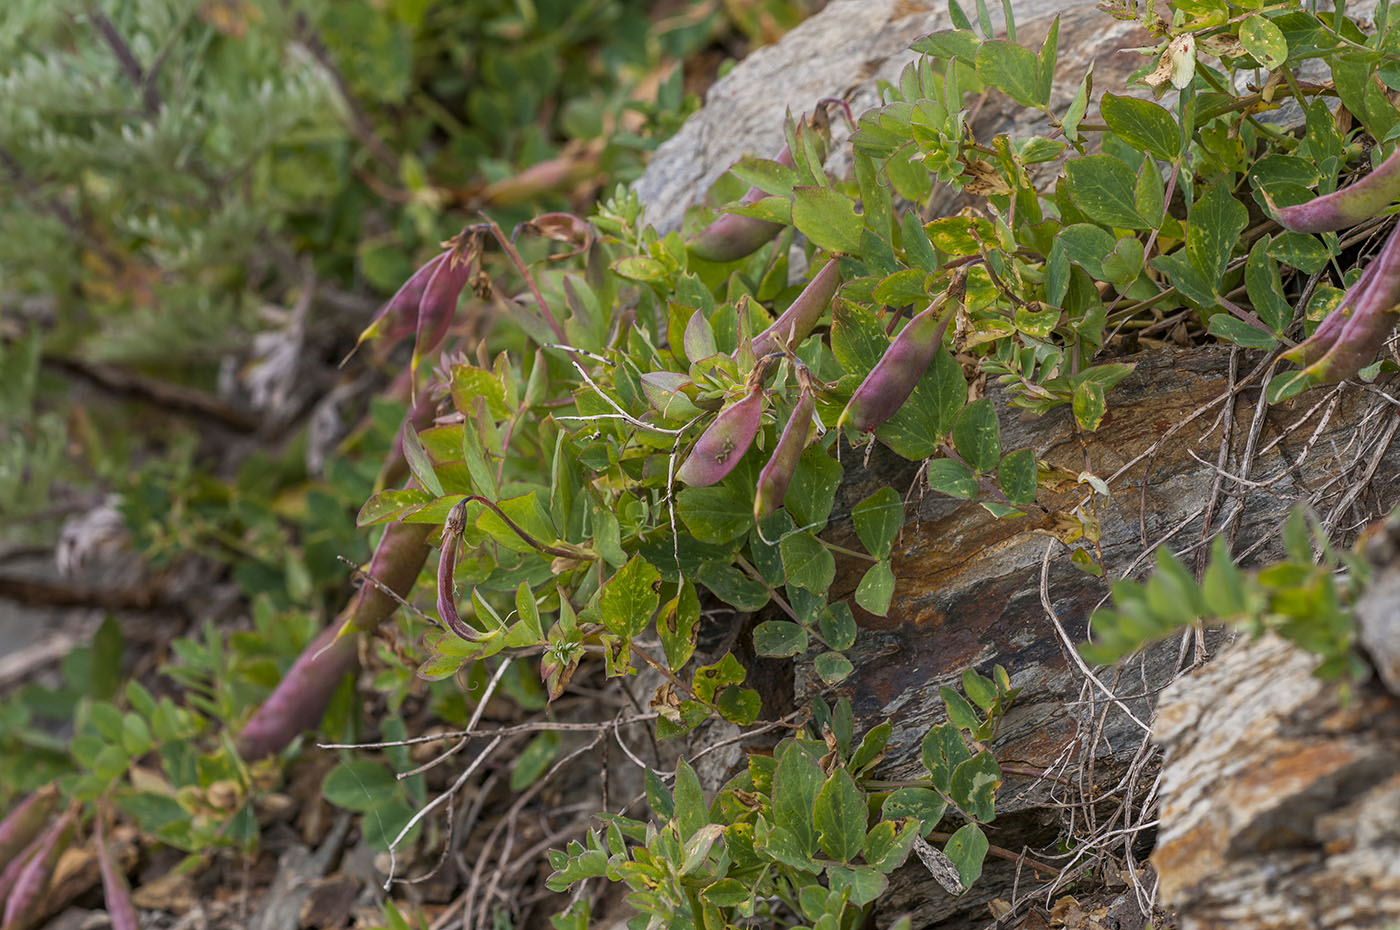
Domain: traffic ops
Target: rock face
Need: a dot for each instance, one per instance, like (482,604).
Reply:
(1281,802)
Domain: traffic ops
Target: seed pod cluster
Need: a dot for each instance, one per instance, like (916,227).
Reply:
(894,377)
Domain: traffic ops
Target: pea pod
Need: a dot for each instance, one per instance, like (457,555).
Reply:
(116,892)
(1347,207)
(893,378)
(26,821)
(1316,346)
(731,236)
(399,316)
(25,904)
(1338,352)
(798,320)
(726,440)
(775,477)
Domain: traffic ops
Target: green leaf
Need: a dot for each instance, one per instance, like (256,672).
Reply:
(727,892)
(387,506)
(534,760)
(1045,61)
(359,786)
(832,667)
(1089,405)
(1261,278)
(717,514)
(838,625)
(981,690)
(974,785)
(807,562)
(812,492)
(780,638)
(1017,476)
(677,626)
(1265,41)
(1149,194)
(1103,187)
(629,598)
(1240,333)
(876,589)
(659,797)
(1142,124)
(1300,251)
(1213,230)
(960,712)
(692,812)
(828,218)
(952,478)
(639,268)
(943,750)
(872,746)
(878,520)
(923,804)
(796,782)
(732,586)
(858,886)
(885,849)
(977,435)
(1012,69)
(967,848)
(770,177)
(839,815)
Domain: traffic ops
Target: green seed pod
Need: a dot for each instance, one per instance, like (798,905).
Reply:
(773,481)
(732,237)
(24,823)
(797,321)
(893,378)
(721,446)
(1348,206)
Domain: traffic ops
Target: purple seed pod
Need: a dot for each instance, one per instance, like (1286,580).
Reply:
(25,822)
(721,446)
(732,237)
(1315,346)
(775,477)
(797,321)
(893,378)
(115,890)
(399,316)
(1348,206)
(26,900)
(1375,314)
(439,303)
(301,697)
